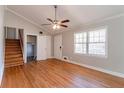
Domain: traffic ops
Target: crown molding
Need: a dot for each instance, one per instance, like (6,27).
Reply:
(106,18)
(30,21)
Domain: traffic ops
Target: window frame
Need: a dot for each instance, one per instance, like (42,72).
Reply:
(106,43)
(82,43)
(87,43)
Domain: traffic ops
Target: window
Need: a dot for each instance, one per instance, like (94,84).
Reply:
(97,42)
(80,40)
(92,42)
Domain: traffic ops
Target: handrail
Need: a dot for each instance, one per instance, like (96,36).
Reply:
(21,40)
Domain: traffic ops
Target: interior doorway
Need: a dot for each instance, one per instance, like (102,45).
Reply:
(31,48)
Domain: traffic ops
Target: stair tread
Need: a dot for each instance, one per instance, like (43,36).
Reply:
(13,56)
(13,49)
(10,43)
(20,62)
(13,62)
(11,65)
(14,59)
(13,52)
(11,46)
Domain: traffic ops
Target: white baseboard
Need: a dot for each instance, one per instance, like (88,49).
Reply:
(96,68)
(50,57)
(100,69)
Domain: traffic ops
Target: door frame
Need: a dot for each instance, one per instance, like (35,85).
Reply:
(36,45)
(25,45)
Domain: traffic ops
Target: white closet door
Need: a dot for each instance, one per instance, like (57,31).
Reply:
(58,46)
(41,48)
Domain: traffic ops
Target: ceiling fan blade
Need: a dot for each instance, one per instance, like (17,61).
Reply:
(64,21)
(50,20)
(63,25)
(46,24)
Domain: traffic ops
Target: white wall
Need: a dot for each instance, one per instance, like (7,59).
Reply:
(31,39)
(115,60)
(12,20)
(1,41)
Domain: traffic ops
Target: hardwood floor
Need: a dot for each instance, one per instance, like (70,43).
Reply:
(54,73)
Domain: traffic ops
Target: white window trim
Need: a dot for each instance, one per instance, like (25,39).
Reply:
(93,55)
(82,43)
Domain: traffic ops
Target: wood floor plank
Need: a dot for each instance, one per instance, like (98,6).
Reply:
(54,73)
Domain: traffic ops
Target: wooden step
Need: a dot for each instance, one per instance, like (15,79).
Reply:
(13,56)
(13,52)
(12,49)
(13,64)
(13,60)
(12,44)
(12,40)
(17,62)
(8,42)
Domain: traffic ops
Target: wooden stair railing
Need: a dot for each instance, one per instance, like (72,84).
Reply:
(21,41)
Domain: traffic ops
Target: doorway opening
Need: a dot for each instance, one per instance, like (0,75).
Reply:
(31,48)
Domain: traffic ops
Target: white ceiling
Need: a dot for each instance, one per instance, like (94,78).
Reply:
(77,14)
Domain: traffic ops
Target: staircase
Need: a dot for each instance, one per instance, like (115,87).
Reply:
(13,53)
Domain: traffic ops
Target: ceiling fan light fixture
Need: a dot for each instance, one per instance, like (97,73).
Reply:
(56,26)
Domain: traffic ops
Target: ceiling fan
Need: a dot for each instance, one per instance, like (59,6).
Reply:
(56,23)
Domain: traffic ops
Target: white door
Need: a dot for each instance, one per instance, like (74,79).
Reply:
(48,46)
(58,46)
(41,48)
